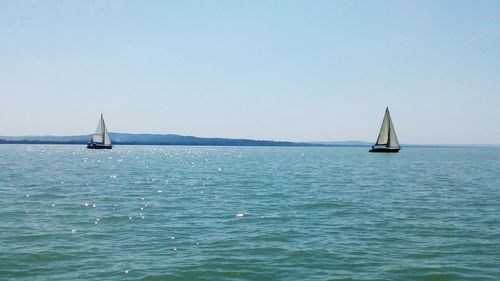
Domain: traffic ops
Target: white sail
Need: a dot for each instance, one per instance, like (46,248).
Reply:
(107,140)
(101,133)
(383,135)
(393,139)
(387,135)
(98,135)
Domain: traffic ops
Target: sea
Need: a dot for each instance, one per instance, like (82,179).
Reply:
(248,213)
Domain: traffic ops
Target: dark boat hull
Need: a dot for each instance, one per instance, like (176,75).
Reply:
(385,149)
(92,145)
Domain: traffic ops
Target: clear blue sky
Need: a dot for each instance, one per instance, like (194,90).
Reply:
(283,70)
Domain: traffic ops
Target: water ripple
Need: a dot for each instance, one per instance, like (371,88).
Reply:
(238,213)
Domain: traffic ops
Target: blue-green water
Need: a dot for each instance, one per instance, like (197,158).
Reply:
(241,213)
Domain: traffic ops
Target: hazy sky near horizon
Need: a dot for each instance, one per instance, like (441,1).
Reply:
(282,70)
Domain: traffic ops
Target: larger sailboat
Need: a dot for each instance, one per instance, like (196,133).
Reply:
(101,138)
(387,140)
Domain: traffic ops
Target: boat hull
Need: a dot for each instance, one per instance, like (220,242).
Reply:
(91,145)
(385,150)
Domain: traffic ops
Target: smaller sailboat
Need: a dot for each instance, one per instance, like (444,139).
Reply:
(101,138)
(387,140)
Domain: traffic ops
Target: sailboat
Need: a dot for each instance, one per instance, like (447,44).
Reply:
(101,138)
(387,140)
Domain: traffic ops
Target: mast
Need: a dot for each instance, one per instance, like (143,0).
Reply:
(103,130)
(388,131)
(392,139)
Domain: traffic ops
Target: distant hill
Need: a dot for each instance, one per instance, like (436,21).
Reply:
(172,139)
(58,139)
(150,139)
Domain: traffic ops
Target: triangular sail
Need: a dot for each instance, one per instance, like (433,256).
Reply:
(107,140)
(383,135)
(98,135)
(387,135)
(101,133)
(393,139)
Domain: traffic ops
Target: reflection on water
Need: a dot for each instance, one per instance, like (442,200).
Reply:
(184,213)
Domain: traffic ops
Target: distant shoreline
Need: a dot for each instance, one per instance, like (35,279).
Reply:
(164,139)
(180,140)
(173,144)
(243,145)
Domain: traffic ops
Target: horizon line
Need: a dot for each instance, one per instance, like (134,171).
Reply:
(326,143)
